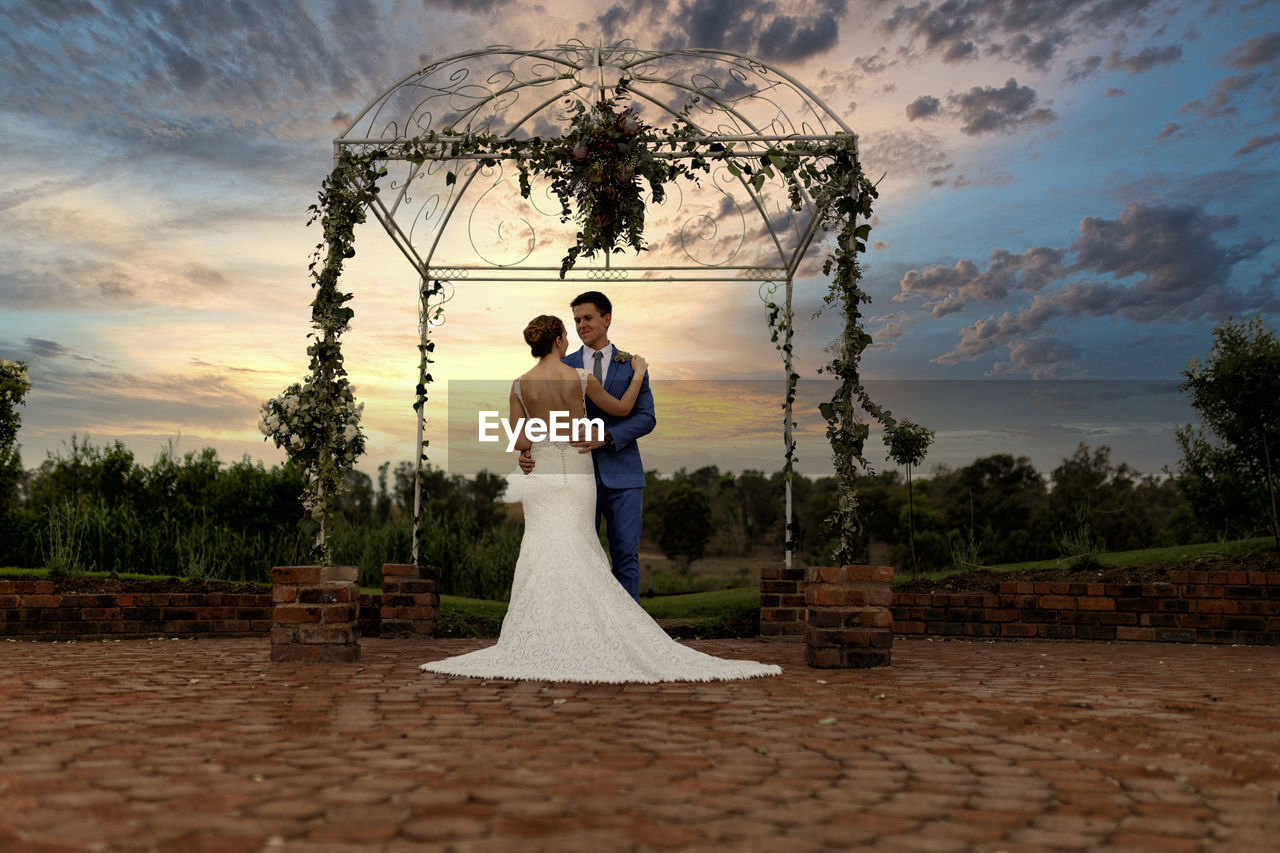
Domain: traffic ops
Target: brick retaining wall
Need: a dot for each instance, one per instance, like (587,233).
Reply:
(1195,607)
(31,609)
(410,600)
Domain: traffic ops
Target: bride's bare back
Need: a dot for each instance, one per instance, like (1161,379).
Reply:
(549,387)
(552,386)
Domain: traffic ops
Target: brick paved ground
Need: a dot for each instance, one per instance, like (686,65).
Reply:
(205,745)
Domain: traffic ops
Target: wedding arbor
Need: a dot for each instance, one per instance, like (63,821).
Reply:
(467,164)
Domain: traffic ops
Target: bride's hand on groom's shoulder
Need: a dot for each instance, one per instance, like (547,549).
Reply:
(639,365)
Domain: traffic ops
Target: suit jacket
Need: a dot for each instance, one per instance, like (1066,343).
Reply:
(620,467)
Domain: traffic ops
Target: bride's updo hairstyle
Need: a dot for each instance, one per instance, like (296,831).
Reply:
(541,334)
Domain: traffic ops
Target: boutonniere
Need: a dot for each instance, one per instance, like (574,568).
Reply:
(621,357)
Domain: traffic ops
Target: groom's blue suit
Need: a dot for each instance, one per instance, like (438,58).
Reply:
(620,473)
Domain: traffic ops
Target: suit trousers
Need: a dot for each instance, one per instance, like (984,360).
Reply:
(622,511)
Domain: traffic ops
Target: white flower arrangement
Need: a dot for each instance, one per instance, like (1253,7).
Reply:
(15,370)
(15,382)
(320,436)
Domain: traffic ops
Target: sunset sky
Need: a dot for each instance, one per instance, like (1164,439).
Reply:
(1074,193)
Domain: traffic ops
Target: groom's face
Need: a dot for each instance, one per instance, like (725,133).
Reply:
(592,327)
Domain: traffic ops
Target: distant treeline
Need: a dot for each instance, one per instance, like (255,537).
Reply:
(97,508)
(998,509)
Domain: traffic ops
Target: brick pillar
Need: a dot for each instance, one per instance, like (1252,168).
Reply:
(410,599)
(848,620)
(782,603)
(315,614)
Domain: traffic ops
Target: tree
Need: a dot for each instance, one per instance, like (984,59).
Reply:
(932,550)
(484,494)
(686,524)
(383,501)
(1236,391)
(1217,485)
(994,503)
(908,443)
(1126,509)
(356,501)
(760,505)
(813,501)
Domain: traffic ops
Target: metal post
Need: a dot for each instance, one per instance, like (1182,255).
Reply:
(786,423)
(423,326)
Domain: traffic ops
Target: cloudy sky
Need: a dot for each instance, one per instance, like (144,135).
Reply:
(1072,194)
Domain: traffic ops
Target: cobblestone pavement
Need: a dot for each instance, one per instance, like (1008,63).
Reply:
(204,745)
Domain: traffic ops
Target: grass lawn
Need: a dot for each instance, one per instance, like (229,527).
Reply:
(690,606)
(13,573)
(702,604)
(469,617)
(1169,554)
(697,614)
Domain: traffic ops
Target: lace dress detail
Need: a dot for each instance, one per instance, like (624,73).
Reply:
(569,619)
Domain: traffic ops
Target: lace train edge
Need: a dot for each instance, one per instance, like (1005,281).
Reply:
(750,669)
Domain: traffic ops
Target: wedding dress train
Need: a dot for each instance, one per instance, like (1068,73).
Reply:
(569,619)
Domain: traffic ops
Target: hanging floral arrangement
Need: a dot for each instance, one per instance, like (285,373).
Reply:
(596,172)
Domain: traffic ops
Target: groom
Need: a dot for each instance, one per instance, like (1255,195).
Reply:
(619,471)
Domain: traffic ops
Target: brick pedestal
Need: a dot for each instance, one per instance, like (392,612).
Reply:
(410,599)
(782,603)
(848,620)
(315,613)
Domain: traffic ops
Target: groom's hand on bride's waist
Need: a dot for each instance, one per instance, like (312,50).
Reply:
(588,446)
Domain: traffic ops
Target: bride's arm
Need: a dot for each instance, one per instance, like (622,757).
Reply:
(517,417)
(611,404)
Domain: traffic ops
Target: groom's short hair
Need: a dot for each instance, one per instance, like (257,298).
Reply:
(596,298)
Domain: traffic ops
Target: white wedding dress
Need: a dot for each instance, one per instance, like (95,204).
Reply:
(569,619)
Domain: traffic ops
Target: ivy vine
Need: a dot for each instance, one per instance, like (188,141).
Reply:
(596,171)
(781,328)
(316,421)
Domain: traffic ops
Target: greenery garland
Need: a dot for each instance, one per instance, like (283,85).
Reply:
(317,421)
(596,171)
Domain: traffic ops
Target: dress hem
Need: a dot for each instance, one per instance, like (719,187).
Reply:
(767,671)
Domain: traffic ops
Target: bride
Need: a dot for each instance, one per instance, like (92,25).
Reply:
(569,619)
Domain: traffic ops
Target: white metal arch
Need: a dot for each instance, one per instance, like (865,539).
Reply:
(732,98)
